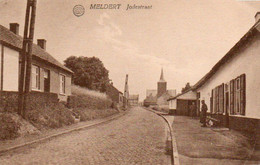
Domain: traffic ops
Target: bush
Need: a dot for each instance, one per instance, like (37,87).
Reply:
(8,127)
(89,99)
(77,90)
(54,116)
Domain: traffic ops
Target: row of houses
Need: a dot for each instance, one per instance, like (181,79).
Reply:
(231,88)
(47,75)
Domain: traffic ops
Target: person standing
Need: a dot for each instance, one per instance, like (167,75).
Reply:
(203,116)
(193,110)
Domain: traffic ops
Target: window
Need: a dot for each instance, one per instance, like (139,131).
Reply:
(218,99)
(230,97)
(35,77)
(237,96)
(46,76)
(62,84)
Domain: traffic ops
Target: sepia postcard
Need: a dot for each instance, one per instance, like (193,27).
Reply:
(125,82)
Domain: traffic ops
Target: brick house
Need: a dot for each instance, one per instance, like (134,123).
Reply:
(48,75)
(115,95)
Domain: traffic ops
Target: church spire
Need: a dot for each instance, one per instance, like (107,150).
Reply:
(162,77)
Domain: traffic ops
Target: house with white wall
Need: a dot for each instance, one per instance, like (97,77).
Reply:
(180,104)
(48,75)
(231,88)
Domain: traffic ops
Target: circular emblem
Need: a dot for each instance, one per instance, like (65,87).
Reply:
(78,10)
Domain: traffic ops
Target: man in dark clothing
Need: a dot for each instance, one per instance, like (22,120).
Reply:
(203,116)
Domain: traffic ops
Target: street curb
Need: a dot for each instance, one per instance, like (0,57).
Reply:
(106,120)
(175,153)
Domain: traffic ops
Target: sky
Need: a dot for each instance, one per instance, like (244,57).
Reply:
(184,37)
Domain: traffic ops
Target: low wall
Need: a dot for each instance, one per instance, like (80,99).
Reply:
(224,122)
(9,100)
(244,124)
(238,123)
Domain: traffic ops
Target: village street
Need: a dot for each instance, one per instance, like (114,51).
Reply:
(136,138)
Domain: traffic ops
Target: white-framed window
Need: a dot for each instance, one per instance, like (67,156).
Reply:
(35,77)
(62,84)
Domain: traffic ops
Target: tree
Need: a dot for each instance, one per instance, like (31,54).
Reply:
(89,72)
(187,87)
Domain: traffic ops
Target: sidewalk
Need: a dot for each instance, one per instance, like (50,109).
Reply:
(200,145)
(10,145)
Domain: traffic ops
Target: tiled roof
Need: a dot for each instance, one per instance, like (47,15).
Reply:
(8,37)
(112,86)
(151,99)
(230,54)
(174,97)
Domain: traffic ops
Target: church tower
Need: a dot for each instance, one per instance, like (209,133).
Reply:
(161,85)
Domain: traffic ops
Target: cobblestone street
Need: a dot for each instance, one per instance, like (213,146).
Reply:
(136,138)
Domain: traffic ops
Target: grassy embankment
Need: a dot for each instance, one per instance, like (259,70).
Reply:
(84,104)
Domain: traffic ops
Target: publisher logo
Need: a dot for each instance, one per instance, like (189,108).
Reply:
(78,10)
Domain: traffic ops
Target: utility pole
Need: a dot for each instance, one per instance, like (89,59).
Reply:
(26,57)
(126,92)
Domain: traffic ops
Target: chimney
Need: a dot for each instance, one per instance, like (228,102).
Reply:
(257,16)
(14,27)
(42,43)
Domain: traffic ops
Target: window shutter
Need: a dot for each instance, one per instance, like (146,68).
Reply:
(235,106)
(243,93)
(221,98)
(211,101)
(232,97)
(214,101)
(217,99)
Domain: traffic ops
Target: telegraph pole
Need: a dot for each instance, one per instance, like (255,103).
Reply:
(126,92)
(26,57)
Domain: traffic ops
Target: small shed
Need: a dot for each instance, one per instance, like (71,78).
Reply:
(180,104)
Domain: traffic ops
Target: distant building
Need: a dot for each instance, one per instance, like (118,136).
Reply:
(180,104)
(161,95)
(115,95)
(133,100)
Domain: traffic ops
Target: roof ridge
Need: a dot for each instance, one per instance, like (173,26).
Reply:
(228,54)
(16,40)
